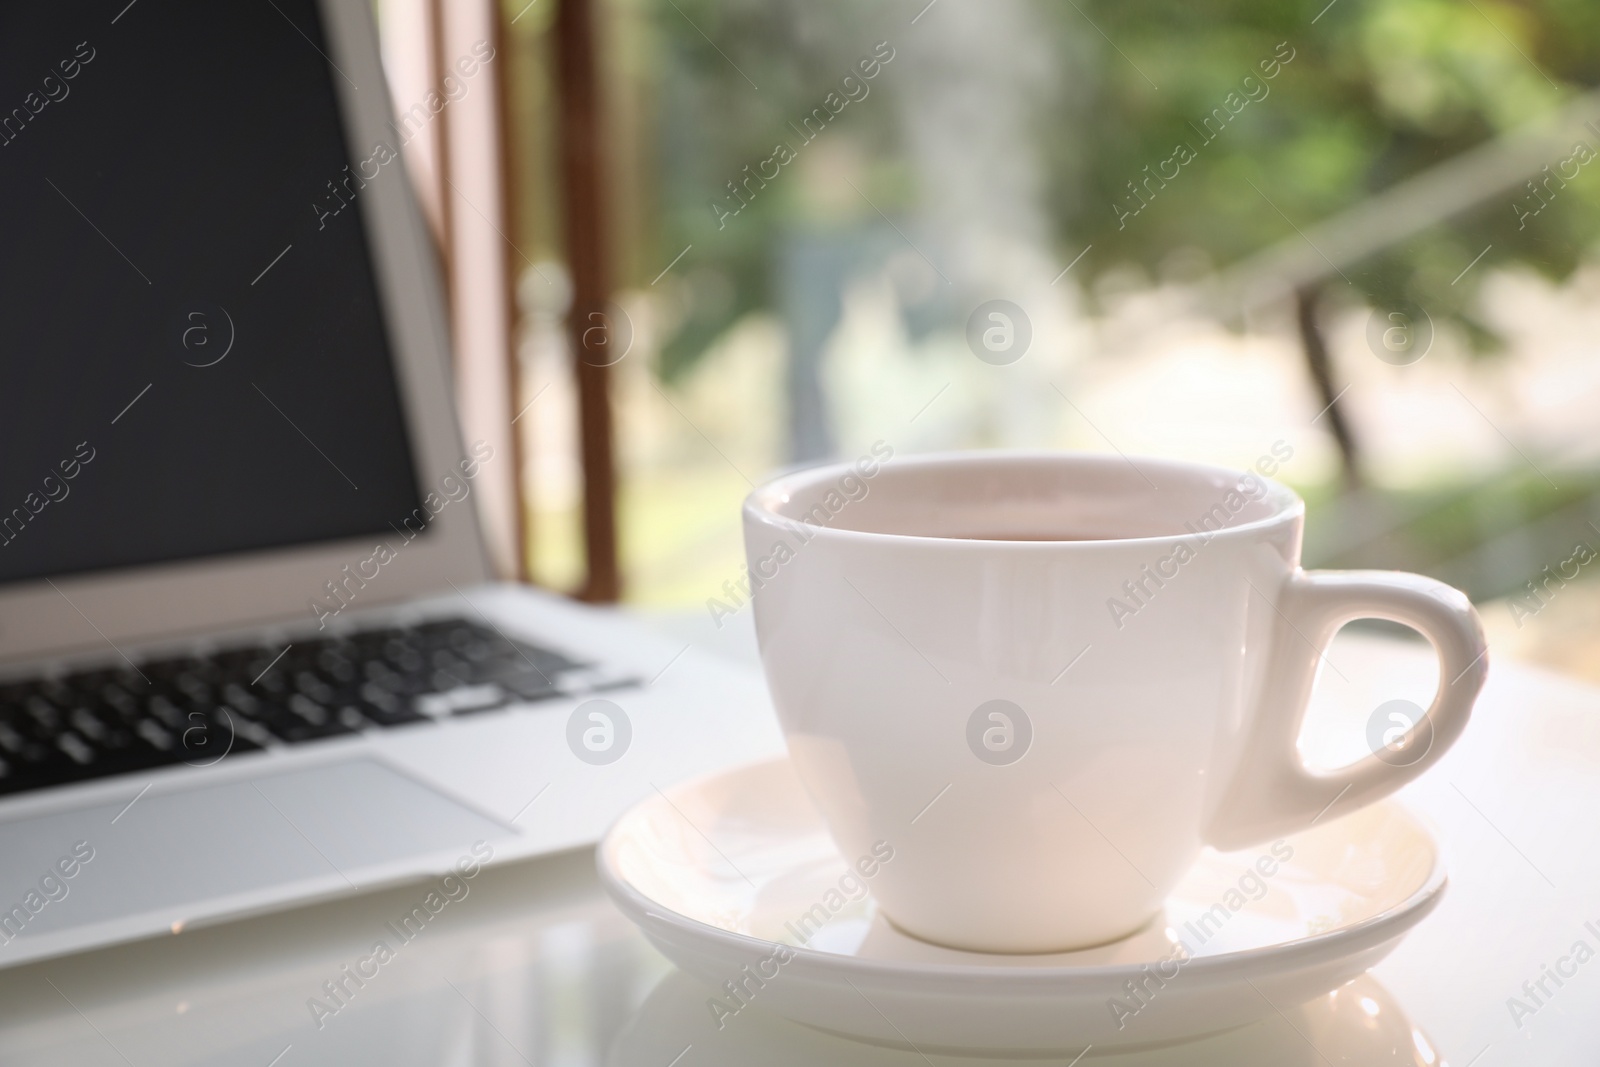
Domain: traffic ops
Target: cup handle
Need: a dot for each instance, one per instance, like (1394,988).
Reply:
(1273,793)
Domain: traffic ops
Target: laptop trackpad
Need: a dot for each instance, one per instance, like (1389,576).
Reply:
(184,853)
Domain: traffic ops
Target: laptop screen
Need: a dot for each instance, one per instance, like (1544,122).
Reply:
(193,357)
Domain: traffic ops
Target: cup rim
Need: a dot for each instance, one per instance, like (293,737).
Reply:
(762,503)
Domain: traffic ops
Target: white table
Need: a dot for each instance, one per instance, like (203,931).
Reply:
(535,967)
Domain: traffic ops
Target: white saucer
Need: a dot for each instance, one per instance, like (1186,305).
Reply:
(1357,1024)
(713,870)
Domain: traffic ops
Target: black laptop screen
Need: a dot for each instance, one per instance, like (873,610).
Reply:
(193,358)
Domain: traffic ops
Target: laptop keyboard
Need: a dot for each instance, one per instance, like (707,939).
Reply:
(198,709)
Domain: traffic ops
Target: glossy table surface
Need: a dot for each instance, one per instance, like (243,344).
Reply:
(534,966)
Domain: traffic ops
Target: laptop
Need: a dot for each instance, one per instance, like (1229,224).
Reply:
(250,652)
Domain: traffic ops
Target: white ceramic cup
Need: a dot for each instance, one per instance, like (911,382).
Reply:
(1049,679)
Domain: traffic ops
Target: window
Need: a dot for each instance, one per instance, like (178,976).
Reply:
(1357,237)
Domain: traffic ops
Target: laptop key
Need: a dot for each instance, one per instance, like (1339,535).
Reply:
(240,698)
(336,666)
(218,732)
(155,736)
(45,714)
(193,687)
(463,700)
(388,714)
(76,748)
(165,711)
(528,684)
(314,687)
(308,709)
(90,727)
(119,699)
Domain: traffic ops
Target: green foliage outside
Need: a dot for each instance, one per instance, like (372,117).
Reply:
(1372,92)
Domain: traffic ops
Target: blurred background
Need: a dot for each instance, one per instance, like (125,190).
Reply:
(1359,234)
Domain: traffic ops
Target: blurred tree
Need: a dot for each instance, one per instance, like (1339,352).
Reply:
(1230,125)
(1217,126)
(737,78)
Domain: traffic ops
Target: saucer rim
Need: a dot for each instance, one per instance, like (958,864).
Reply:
(1366,934)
